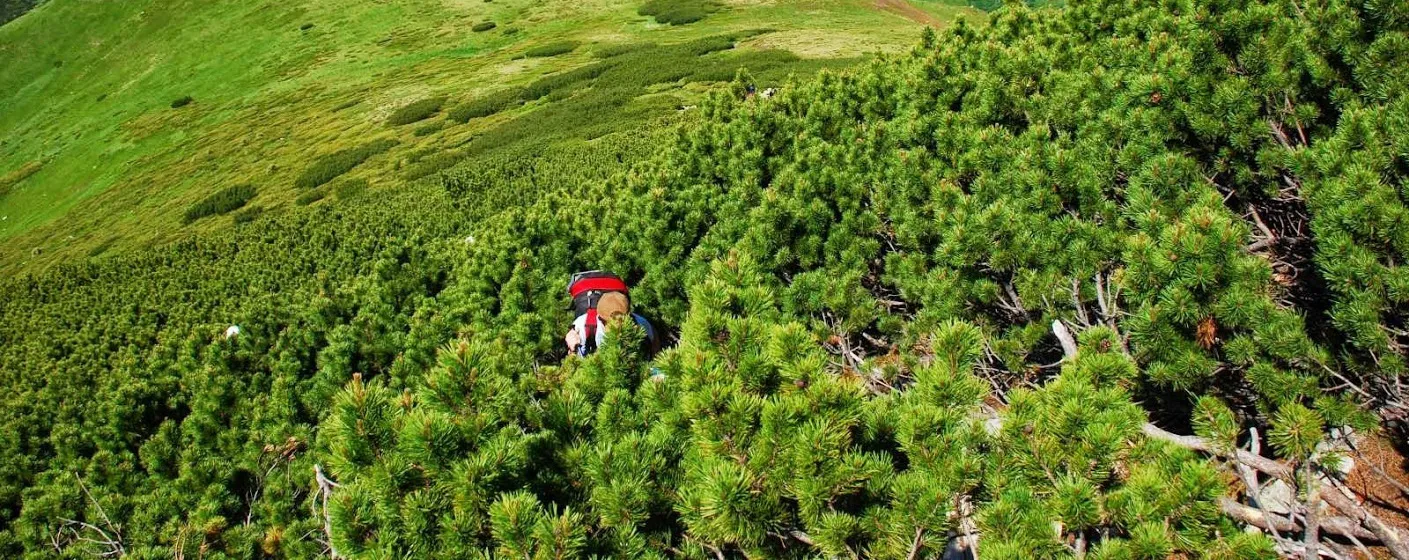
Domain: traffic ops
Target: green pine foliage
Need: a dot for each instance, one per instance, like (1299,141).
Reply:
(551,49)
(11,9)
(416,111)
(858,275)
(486,106)
(331,166)
(310,196)
(247,215)
(678,12)
(483,26)
(220,202)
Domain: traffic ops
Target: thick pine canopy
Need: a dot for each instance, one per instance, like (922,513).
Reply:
(928,302)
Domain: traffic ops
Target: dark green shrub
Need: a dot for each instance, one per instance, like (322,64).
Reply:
(429,129)
(551,49)
(485,106)
(483,26)
(510,31)
(416,111)
(225,200)
(618,49)
(181,102)
(305,27)
(563,80)
(678,12)
(706,45)
(11,9)
(351,188)
(311,196)
(248,215)
(331,166)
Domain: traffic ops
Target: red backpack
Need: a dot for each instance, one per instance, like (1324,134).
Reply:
(588,287)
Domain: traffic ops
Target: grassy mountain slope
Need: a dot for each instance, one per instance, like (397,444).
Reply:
(932,299)
(95,157)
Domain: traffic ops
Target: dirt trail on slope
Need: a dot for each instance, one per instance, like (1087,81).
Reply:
(909,11)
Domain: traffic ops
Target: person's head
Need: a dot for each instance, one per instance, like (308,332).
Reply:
(612,305)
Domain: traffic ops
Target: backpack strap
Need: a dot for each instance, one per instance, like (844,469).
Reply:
(600,283)
(589,340)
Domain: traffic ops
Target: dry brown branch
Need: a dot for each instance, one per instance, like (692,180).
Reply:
(325,489)
(1393,540)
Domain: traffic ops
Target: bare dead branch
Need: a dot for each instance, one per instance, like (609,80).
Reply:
(1393,540)
(1065,337)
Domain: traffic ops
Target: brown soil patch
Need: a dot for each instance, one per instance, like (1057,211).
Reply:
(909,11)
(1382,497)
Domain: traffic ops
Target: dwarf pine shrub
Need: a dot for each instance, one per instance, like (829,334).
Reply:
(350,188)
(311,196)
(331,166)
(678,12)
(485,106)
(416,111)
(551,49)
(482,26)
(248,215)
(929,301)
(220,202)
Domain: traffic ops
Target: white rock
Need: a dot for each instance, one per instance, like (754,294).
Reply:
(1277,497)
(232,332)
(1338,436)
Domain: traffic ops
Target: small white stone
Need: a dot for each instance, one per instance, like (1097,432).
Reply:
(232,332)
(1277,497)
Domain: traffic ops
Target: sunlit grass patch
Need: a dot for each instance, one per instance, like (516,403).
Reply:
(9,180)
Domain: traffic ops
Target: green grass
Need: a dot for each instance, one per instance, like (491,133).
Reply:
(13,178)
(120,167)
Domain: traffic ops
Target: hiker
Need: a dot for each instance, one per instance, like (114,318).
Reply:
(599,297)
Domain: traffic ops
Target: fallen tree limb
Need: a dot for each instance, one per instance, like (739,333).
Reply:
(1339,526)
(1393,540)
(1270,467)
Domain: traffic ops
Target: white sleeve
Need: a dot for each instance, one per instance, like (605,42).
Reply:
(580,325)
